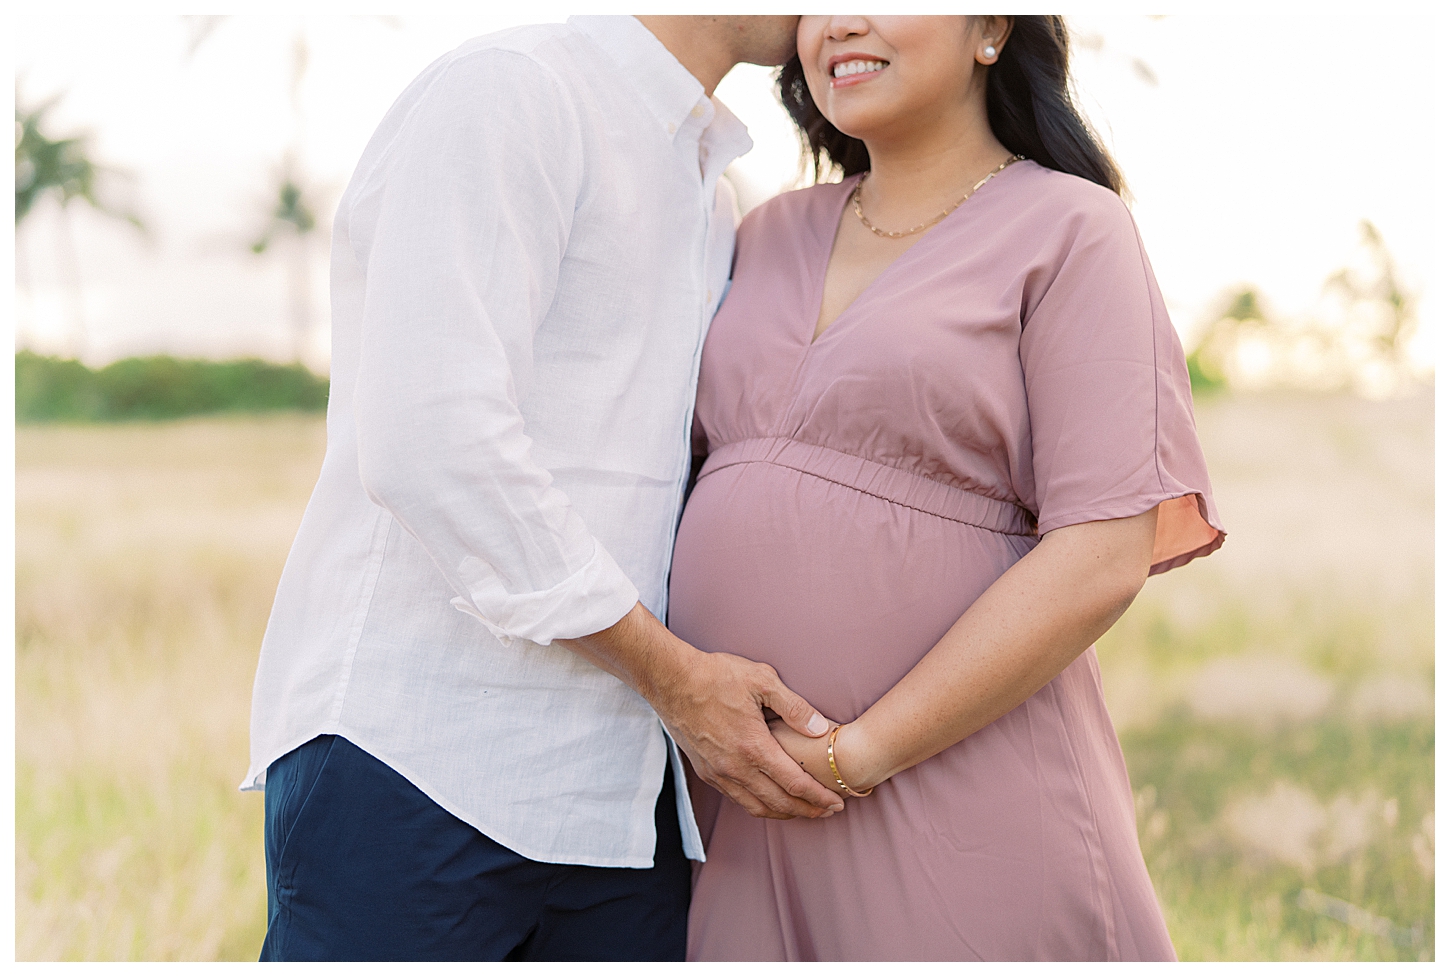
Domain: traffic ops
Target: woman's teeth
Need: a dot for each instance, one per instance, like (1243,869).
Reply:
(857,68)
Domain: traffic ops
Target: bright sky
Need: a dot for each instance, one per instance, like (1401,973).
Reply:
(1265,142)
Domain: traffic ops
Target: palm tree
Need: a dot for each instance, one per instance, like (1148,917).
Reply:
(63,169)
(293,217)
(291,208)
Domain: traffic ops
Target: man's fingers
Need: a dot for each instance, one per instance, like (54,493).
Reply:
(782,785)
(742,795)
(777,803)
(775,800)
(745,763)
(730,783)
(770,784)
(799,785)
(798,714)
(745,799)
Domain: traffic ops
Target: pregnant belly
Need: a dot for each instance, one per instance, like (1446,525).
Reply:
(840,590)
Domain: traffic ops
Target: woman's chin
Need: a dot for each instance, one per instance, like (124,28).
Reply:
(864,114)
(858,124)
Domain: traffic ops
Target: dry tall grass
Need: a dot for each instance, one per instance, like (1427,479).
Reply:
(1273,700)
(146,559)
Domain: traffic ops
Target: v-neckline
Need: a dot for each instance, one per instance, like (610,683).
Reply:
(820,293)
(820,290)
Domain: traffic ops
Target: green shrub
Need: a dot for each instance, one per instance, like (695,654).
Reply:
(159,387)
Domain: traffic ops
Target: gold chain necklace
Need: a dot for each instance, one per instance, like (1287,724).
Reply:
(856,202)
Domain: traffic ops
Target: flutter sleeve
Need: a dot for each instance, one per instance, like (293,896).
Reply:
(1109,403)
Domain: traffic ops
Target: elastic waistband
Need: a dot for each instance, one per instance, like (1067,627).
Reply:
(884,482)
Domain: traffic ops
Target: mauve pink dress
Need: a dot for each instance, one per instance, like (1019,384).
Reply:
(1012,373)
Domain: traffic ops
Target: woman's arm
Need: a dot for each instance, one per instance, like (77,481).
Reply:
(1014,639)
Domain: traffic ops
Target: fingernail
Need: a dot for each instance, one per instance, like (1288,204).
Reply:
(817,725)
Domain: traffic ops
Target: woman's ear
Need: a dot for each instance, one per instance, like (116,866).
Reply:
(992,33)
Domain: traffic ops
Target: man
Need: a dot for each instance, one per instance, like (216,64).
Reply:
(523,268)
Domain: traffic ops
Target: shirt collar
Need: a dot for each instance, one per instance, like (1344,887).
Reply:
(725,136)
(666,86)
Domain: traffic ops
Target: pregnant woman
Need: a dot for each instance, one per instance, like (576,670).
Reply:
(949,434)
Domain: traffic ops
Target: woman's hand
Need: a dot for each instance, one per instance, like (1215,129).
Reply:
(853,756)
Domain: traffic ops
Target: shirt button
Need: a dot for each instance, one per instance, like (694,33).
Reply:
(670,128)
(709,297)
(697,111)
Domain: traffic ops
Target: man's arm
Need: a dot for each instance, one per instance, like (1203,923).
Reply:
(460,229)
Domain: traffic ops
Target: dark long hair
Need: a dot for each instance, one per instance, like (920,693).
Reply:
(1029,107)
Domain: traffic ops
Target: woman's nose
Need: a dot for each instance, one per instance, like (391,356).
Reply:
(840,28)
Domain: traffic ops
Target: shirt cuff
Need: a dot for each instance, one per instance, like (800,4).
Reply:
(591,599)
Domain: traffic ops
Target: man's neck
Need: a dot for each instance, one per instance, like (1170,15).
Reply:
(700,43)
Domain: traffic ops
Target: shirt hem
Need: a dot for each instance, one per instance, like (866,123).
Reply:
(256,780)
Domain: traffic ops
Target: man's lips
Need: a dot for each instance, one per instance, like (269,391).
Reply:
(853,68)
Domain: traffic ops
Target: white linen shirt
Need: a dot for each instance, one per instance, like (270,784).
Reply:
(523,268)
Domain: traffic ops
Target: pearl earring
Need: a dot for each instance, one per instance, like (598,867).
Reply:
(989,51)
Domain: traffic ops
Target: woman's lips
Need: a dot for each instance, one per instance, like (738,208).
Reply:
(855,69)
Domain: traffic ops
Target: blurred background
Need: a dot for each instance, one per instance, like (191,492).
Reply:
(175,184)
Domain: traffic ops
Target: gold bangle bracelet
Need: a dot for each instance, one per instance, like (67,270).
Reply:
(831,759)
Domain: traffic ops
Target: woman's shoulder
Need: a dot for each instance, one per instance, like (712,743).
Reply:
(1072,210)
(797,209)
(1067,193)
(1073,203)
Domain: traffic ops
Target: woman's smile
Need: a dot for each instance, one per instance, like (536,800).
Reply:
(853,69)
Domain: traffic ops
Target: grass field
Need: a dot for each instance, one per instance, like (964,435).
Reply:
(1274,701)
(146,560)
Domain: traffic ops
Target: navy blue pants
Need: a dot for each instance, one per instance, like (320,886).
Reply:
(361,865)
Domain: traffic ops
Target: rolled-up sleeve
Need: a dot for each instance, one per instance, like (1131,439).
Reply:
(460,230)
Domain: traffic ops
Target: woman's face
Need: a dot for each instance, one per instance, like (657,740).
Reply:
(872,76)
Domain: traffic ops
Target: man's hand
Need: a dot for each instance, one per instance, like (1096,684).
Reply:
(715,714)
(713,705)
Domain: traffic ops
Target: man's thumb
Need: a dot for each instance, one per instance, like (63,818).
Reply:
(797,712)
